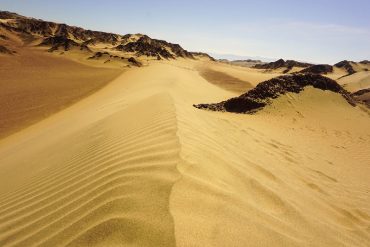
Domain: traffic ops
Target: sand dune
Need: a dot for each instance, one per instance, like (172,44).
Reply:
(357,81)
(136,164)
(35,84)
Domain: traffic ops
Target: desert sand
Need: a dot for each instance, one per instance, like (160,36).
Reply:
(135,164)
(100,145)
(35,84)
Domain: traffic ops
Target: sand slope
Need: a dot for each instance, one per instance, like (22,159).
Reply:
(35,84)
(135,164)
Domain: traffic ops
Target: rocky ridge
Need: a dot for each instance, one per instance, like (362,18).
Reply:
(266,91)
(64,37)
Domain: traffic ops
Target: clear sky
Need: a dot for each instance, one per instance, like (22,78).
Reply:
(321,31)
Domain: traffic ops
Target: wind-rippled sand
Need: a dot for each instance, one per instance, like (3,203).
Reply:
(136,165)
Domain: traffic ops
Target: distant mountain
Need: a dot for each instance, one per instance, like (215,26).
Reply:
(281,63)
(233,57)
(62,37)
(244,63)
(349,66)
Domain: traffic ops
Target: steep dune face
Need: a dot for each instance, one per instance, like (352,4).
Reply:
(135,164)
(35,84)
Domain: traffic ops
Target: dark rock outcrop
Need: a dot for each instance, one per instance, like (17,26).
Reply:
(145,46)
(99,54)
(9,15)
(133,61)
(318,69)
(265,91)
(62,35)
(365,62)
(106,55)
(66,44)
(5,50)
(362,96)
(202,54)
(346,65)
(3,37)
(289,64)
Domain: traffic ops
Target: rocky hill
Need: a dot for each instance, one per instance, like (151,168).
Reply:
(63,37)
(281,63)
(347,65)
(264,92)
(318,69)
(145,46)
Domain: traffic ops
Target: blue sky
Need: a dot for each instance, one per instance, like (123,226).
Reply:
(321,31)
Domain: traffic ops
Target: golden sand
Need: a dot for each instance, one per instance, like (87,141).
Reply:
(135,164)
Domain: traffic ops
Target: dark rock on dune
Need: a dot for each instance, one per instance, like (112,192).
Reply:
(362,96)
(98,55)
(289,64)
(5,50)
(273,65)
(264,92)
(346,65)
(361,92)
(57,41)
(89,42)
(145,46)
(318,69)
(3,37)
(133,61)
(66,44)
(202,54)
(365,62)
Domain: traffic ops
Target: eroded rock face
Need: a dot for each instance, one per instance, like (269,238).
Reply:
(264,92)
(145,46)
(65,36)
(66,44)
